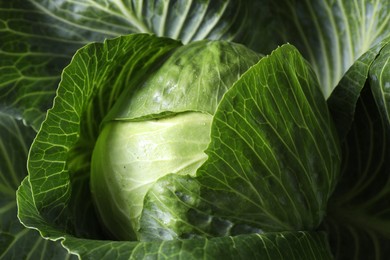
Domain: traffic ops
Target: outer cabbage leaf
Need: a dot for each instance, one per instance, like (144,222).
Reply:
(284,245)
(331,35)
(358,218)
(16,241)
(59,158)
(39,38)
(380,82)
(189,20)
(273,161)
(34,48)
(273,131)
(343,100)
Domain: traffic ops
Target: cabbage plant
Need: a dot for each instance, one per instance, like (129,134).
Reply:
(278,149)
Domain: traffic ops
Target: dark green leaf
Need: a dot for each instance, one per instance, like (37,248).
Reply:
(273,158)
(34,48)
(39,37)
(358,215)
(331,35)
(274,152)
(286,245)
(184,20)
(342,102)
(380,82)
(16,241)
(60,156)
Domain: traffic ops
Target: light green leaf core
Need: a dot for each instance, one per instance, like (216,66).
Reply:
(130,156)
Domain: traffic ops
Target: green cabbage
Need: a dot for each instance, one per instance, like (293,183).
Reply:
(163,127)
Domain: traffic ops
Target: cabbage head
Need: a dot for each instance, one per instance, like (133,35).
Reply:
(162,127)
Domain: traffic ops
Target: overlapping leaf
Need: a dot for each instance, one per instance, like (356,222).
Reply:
(342,102)
(184,20)
(360,206)
(286,245)
(273,160)
(274,151)
(17,242)
(332,35)
(358,219)
(34,48)
(380,82)
(59,158)
(39,37)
